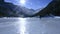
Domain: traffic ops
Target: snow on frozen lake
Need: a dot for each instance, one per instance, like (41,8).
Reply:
(29,26)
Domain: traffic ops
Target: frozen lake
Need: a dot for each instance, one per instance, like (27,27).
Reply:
(29,26)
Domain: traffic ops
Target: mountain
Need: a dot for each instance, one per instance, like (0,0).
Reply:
(53,8)
(24,11)
(11,10)
(36,11)
(6,9)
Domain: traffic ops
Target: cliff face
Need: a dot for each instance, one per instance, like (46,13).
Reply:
(52,8)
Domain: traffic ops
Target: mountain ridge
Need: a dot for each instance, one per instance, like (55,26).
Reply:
(11,10)
(53,8)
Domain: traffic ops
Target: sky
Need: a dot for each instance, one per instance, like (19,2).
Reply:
(31,4)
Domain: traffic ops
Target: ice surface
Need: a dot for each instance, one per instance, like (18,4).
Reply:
(29,26)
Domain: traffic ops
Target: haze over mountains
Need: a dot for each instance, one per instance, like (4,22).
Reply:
(11,10)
